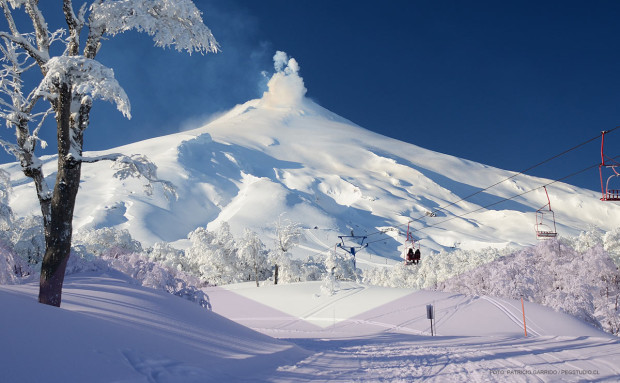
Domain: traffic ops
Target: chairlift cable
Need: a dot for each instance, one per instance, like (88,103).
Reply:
(504,199)
(486,206)
(495,184)
(508,178)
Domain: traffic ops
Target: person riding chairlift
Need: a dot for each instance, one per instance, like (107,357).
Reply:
(416,257)
(413,258)
(410,256)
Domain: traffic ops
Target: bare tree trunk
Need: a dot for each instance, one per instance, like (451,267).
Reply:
(58,234)
(275,275)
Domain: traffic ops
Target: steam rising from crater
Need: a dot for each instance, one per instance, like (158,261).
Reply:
(286,87)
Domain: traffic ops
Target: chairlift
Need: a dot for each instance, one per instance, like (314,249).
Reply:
(545,221)
(608,163)
(358,241)
(411,253)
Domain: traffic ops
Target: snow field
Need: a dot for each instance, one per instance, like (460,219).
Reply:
(356,310)
(378,334)
(109,329)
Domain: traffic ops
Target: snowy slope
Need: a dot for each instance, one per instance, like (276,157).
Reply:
(367,333)
(111,330)
(355,310)
(108,329)
(284,154)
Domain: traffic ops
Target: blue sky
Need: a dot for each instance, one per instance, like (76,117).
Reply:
(504,83)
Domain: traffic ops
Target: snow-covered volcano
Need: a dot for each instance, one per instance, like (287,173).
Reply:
(285,156)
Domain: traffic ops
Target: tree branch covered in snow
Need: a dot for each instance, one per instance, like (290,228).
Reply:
(16,109)
(89,79)
(44,39)
(140,166)
(175,23)
(75,24)
(5,185)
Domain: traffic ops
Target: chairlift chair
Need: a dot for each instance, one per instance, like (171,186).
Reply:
(545,221)
(411,253)
(608,194)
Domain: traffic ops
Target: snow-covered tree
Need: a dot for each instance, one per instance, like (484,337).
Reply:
(28,239)
(12,267)
(611,243)
(213,256)
(340,266)
(288,235)
(108,242)
(588,239)
(253,256)
(169,256)
(157,276)
(70,82)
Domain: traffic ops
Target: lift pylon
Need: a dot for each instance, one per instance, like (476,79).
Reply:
(608,194)
(352,249)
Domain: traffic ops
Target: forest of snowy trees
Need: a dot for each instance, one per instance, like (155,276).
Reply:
(576,275)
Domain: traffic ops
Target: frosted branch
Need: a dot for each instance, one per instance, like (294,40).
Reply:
(40,57)
(75,24)
(87,77)
(136,166)
(10,148)
(39,24)
(35,132)
(5,187)
(139,165)
(170,22)
(9,17)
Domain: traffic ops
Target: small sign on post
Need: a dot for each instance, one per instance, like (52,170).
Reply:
(430,314)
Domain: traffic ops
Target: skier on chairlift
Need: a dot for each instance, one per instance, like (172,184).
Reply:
(416,257)
(413,258)
(410,257)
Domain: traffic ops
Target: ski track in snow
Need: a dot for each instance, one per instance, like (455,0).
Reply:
(514,318)
(163,369)
(398,358)
(316,239)
(391,343)
(396,362)
(331,302)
